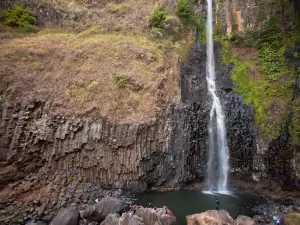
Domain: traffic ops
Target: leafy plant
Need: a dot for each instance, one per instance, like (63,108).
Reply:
(237,38)
(270,33)
(119,9)
(156,32)
(158,17)
(185,11)
(271,62)
(122,80)
(173,27)
(19,17)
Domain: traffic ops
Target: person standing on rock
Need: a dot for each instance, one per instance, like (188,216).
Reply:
(217,204)
(278,220)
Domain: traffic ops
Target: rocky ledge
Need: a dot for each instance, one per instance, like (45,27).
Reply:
(107,211)
(214,217)
(118,211)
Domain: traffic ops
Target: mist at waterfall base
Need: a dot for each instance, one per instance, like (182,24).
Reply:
(188,202)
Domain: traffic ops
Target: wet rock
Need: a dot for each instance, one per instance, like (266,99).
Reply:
(101,209)
(68,216)
(111,219)
(211,217)
(244,220)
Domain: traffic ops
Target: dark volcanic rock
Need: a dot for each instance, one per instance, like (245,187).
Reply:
(100,210)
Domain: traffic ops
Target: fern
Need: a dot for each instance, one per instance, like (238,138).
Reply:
(19,17)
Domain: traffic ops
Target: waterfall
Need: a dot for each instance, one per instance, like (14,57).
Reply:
(218,151)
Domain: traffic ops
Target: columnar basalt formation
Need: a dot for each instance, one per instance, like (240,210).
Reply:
(36,144)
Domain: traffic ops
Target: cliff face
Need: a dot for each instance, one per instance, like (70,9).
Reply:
(40,146)
(273,158)
(238,15)
(42,150)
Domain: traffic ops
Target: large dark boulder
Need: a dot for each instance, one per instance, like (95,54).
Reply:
(68,216)
(100,210)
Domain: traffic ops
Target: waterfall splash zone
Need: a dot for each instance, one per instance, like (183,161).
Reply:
(217,172)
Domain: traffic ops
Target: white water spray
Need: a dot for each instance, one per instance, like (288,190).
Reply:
(218,150)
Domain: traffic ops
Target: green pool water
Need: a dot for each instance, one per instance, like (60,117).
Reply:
(188,202)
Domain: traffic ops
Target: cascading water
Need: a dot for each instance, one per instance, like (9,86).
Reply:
(218,150)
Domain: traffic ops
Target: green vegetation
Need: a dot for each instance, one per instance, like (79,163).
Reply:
(269,34)
(263,77)
(119,9)
(122,80)
(293,219)
(185,12)
(173,27)
(296,122)
(156,32)
(16,219)
(158,17)
(259,82)
(271,63)
(19,17)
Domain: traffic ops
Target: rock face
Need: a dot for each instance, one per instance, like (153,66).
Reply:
(168,152)
(239,15)
(100,210)
(211,217)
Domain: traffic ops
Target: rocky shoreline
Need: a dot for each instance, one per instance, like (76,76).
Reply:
(94,206)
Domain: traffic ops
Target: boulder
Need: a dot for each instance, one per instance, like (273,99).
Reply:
(111,219)
(37,223)
(244,220)
(101,209)
(129,219)
(68,216)
(166,219)
(151,216)
(211,217)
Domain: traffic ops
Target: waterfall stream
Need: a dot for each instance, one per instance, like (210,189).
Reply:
(218,151)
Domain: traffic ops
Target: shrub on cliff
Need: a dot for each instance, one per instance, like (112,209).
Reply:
(158,17)
(185,12)
(270,33)
(19,17)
